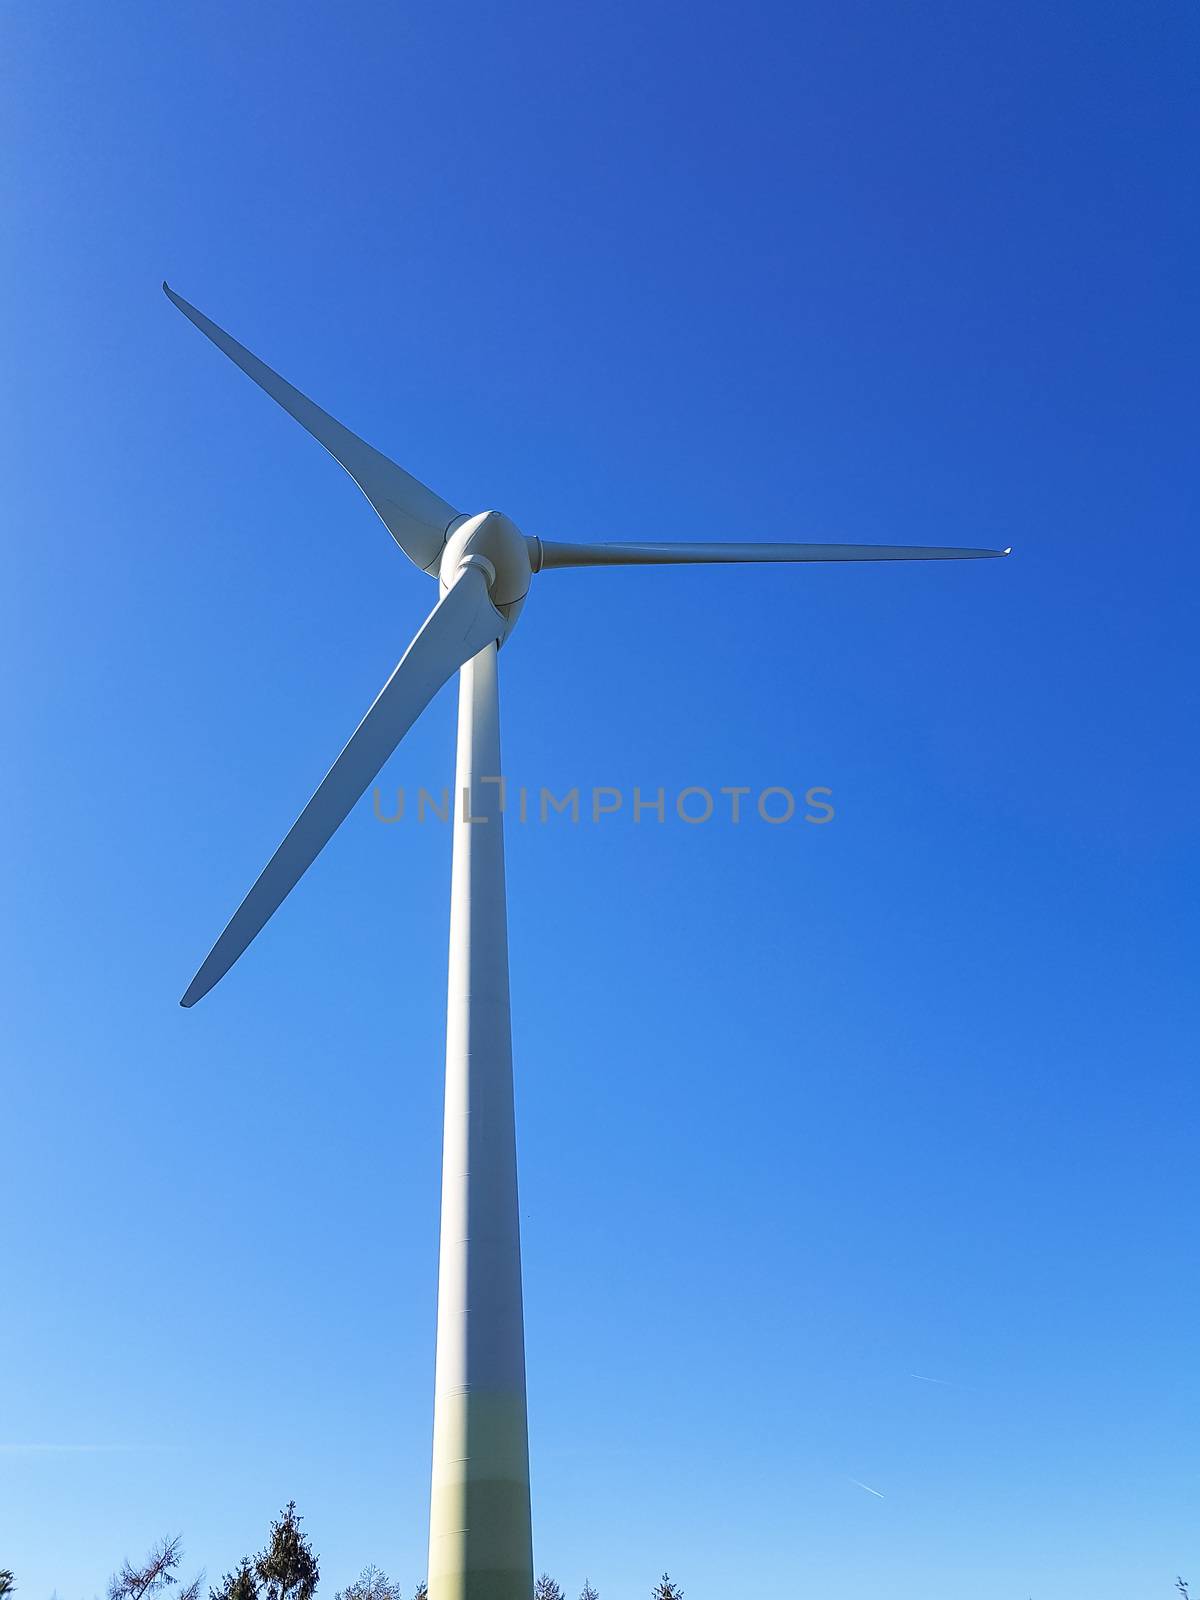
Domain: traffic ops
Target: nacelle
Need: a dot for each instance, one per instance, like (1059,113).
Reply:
(493,536)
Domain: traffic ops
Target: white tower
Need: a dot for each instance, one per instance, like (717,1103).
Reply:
(480,1543)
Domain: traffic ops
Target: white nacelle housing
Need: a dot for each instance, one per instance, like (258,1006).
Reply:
(493,536)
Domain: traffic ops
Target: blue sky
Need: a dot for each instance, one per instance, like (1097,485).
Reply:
(809,1116)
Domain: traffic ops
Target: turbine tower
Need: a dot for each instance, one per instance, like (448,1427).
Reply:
(480,1543)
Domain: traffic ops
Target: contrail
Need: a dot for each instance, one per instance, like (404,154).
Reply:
(868,1488)
(944,1382)
(78,1449)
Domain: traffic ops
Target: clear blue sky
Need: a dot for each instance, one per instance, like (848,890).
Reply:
(804,1111)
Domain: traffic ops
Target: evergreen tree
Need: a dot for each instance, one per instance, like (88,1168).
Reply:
(666,1590)
(287,1568)
(422,1592)
(7,1586)
(546,1589)
(240,1584)
(588,1593)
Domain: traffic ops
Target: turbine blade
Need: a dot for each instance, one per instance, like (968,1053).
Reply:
(414,516)
(553,554)
(457,628)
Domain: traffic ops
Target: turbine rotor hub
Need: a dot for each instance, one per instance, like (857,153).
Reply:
(491,536)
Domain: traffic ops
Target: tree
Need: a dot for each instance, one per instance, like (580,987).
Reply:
(422,1592)
(240,1584)
(158,1574)
(7,1586)
(371,1584)
(588,1593)
(546,1589)
(287,1568)
(666,1590)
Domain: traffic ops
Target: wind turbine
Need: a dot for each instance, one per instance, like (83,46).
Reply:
(480,1542)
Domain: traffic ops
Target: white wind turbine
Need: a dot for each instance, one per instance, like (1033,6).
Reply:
(480,1544)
